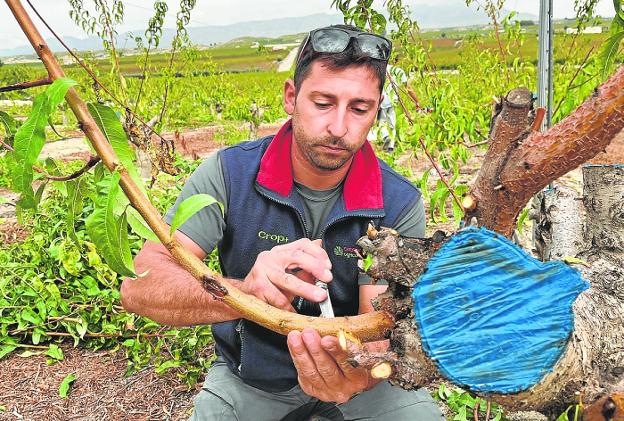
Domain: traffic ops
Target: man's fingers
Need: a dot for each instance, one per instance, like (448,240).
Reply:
(308,373)
(325,364)
(305,262)
(331,345)
(294,286)
(313,248)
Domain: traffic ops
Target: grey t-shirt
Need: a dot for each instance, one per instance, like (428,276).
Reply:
(206,227)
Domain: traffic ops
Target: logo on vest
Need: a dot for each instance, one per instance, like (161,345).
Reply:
(275,238)
(346,252)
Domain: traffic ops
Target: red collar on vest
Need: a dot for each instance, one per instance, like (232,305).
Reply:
(362,187)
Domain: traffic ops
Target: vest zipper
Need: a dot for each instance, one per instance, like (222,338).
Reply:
(240,328)
(299,215)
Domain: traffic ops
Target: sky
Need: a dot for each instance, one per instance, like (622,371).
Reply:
(224,12)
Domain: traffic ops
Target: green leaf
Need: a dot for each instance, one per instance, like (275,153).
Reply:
(108,232)
(574,261)
(367,262)
(75,194)
(609,51)
(30,137)
(109,123)
(55,352)
(189,207)
(619,13)
(167,365)
(6,350)
(66,384)
(9,124)
(27,354)
(139,226)
(39,193)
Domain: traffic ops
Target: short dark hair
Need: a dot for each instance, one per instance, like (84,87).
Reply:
(335,61)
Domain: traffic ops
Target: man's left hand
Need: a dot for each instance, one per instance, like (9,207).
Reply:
(323,369)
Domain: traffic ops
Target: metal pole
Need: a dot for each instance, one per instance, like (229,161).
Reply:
(545,62)
(544,78)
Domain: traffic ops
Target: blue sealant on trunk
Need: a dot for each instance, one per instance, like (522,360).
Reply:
(492,317)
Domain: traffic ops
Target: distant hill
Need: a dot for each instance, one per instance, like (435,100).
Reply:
(428,16)
(445,16)
(204,35)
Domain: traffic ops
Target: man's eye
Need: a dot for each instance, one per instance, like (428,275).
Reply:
(360,110)
(322,105)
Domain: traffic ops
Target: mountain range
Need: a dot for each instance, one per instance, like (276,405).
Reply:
(427,16)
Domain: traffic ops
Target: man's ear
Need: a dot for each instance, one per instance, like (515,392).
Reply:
(290,96)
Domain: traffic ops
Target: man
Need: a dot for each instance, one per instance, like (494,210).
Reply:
(294,206)
(387,113)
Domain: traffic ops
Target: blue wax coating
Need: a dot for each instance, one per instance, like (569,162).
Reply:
(492,317)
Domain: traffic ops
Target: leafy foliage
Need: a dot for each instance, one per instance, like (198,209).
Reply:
(55,285)
(109,233)
(30,137)
(463,403)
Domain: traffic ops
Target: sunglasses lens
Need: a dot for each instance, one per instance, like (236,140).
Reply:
(330,41)
(374,46)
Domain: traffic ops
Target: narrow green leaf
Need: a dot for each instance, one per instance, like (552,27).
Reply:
(30,137)
(6,350)
(167,365)
(609,51)
(619,12)
(75,195)
(39,193)
(56,92)
(108,232)
(109,123)
(139,226)
(9,124)
(66,384)
(189,207)
(28,143)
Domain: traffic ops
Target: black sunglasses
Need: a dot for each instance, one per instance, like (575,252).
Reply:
(336,40)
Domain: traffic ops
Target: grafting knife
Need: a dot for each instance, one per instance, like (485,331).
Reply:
(326,306)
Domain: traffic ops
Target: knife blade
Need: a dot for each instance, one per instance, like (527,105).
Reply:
(327,310)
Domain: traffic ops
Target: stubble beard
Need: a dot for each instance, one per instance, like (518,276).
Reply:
(309,147)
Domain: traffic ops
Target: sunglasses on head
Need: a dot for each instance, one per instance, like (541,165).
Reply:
(336,40)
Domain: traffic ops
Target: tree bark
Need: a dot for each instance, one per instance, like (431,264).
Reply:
(522,162)
(593,362)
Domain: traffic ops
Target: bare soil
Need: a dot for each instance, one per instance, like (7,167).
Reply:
(29,387)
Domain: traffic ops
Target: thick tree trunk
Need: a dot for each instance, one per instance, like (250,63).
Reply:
(593,361)
(559,216)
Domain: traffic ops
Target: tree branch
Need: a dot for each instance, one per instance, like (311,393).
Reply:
(369,326)
(26,85)
(520,162)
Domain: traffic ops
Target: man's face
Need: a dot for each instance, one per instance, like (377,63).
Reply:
(332,113)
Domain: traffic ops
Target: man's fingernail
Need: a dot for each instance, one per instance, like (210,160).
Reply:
(327,274)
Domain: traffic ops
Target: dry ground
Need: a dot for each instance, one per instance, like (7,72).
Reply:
(29,387)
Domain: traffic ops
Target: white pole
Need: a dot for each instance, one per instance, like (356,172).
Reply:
(544,73)
(545,62)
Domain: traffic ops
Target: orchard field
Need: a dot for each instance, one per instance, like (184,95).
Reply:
(68,348)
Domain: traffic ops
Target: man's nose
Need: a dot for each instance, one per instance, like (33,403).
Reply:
(337,126)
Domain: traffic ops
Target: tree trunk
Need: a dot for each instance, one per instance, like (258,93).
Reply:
(593,360)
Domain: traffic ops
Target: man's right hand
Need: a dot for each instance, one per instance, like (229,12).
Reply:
(273,280)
